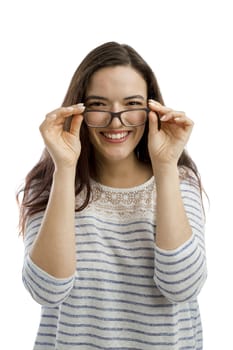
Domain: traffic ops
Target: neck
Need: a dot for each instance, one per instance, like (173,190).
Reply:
(124,174)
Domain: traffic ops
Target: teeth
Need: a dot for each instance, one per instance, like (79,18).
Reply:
(116,136)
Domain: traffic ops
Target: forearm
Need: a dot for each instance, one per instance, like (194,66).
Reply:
(54,247)
(173,227)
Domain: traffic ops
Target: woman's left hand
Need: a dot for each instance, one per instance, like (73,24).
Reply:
(166,145)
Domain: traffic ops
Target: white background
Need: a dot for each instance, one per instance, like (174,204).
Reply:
(189,46)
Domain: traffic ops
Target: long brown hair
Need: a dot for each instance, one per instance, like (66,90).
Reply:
(37,185)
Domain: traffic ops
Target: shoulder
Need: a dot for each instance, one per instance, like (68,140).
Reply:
(191,186)
(189,177)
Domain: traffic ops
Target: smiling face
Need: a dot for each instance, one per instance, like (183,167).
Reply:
(115,89)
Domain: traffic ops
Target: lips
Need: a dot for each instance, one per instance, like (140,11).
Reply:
(116,135)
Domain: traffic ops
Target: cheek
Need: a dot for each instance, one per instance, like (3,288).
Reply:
(93,137)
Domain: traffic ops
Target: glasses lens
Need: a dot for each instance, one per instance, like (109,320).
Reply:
(101,119)
(134,117)
(97,118)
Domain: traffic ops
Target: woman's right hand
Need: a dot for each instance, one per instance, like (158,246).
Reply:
(63,146)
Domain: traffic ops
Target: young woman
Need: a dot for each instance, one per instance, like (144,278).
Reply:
(112,215)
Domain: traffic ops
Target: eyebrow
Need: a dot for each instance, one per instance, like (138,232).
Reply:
(95,97)
(134,96)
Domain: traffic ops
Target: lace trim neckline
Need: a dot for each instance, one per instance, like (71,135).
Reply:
(128,189)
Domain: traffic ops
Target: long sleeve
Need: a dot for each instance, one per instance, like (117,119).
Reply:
(44,288)
(180,274)
(114,302)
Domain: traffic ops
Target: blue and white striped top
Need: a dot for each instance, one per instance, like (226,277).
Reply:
(126,294)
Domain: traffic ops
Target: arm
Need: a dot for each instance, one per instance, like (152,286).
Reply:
(54,247)
(43,287)
(180,268)
(180,271)
(173,227)
(165,147)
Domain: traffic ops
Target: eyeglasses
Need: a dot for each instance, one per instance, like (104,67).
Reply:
(102,119)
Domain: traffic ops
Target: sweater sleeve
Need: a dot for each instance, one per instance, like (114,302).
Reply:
(180,273)
(45,289)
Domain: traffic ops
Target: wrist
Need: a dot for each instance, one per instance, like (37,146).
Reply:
(63,173)
(162,171)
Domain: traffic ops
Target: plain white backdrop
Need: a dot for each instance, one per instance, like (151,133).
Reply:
(188,43)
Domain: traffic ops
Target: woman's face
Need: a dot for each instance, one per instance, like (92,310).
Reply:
(115,89)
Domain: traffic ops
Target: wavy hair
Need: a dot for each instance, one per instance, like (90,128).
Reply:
(37,184)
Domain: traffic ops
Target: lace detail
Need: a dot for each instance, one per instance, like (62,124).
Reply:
(139,195)
(123,202)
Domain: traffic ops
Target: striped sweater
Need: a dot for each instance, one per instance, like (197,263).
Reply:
(127,293)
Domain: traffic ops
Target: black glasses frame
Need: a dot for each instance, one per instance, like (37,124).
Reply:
(115,115)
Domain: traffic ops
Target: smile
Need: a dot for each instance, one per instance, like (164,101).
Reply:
(116,135)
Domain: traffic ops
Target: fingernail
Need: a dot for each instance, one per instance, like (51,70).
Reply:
(163,118)
(69,109)
(81,106)
(154,102)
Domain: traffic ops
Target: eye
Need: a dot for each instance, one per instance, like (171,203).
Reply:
(134,103)
(95,104)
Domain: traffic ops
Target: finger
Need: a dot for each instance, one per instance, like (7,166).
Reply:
(62,113)
(57,117)
(154,123)
(76,124)
(184,121)
(176,117)
(158,107)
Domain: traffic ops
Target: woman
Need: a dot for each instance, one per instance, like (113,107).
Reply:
(112,215)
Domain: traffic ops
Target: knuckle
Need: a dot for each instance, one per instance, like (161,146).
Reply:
(41,127)
(51,116)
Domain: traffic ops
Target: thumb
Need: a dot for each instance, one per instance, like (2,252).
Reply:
(76,124)
(154,123)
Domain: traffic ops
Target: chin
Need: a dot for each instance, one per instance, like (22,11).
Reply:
(116,156)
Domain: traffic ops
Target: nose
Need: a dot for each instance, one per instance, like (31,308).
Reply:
(116,121)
